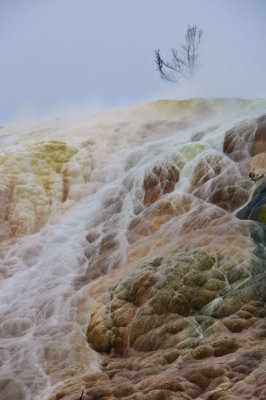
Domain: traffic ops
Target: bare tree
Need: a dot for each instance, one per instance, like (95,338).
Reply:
(185,64)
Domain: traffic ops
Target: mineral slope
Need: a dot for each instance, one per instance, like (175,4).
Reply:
(135,243)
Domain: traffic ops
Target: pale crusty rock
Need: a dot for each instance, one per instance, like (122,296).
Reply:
(37,182)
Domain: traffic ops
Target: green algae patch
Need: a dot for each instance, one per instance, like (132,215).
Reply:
(178,302)
(174,106)
(35,181)
(261,215)
(50,156)
(198,106)
(192,150)
(256,210)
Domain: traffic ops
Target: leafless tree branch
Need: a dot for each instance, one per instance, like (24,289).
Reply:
(185,63)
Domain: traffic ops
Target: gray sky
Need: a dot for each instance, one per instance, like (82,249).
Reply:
(69,54)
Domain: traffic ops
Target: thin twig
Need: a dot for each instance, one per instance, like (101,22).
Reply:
(183,64)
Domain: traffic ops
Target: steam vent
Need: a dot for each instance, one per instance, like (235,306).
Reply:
(132,254)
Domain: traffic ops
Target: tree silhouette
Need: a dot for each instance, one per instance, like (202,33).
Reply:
(185,64)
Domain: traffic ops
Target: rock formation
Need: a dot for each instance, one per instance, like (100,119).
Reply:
(189,324)
(138,240)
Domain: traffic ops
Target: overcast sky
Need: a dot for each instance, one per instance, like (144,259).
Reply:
(57,54)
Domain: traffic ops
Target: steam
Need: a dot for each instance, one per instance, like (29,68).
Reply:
(83,67)
(216,79)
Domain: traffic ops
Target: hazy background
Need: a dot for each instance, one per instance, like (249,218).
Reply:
(61,55)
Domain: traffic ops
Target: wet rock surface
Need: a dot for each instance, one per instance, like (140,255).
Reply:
(160,180)
(132,254)
(246,139)
(208,183)
(191,325)
(255,210)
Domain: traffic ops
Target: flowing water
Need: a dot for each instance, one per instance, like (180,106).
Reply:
(83,196)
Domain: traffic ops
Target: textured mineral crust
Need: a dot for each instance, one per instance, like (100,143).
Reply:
(177,294)
(190,324)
